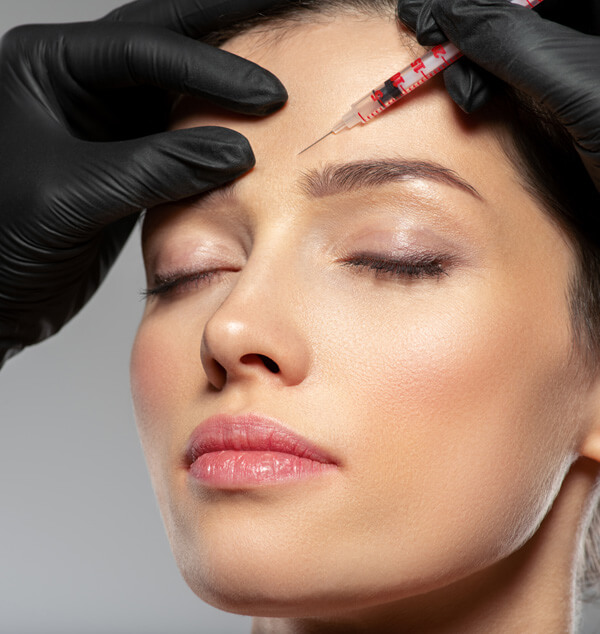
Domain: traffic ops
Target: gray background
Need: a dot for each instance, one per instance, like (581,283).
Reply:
(82,546)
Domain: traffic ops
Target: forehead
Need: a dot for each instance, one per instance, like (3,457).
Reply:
(327,66)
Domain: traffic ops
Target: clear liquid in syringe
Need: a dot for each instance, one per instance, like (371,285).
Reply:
(402,83)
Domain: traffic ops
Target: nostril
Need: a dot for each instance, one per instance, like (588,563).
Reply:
(269,363)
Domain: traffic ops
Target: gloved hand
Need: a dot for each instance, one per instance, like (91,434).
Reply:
(555,64)
(81,107)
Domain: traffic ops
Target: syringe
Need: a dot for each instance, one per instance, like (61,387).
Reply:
(402,83)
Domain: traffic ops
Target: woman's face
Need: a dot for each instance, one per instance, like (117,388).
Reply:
(445,392)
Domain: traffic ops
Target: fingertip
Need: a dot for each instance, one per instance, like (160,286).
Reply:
(415,15)
(173,165)
(233,149)
(278,101)
(242,154)
(264,94)
(468,86)
(408,12)
(428,33)
(275,98)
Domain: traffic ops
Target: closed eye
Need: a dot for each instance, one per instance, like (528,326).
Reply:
(180,281)
(410,267)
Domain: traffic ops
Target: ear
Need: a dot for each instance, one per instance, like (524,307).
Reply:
(589,446)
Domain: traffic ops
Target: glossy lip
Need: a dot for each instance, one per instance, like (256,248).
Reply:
(250,432)
(250,450)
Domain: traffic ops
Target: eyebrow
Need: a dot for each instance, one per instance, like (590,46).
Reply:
(340,178)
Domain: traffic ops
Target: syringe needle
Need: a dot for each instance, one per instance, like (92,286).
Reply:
(313,144)
(402,83)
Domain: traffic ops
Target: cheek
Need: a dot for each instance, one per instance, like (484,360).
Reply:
(473,401)
(161,380)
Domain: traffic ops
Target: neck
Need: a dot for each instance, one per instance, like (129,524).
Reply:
(532,590)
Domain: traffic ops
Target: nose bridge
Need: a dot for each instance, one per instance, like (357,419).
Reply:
(256,331)
(273,273)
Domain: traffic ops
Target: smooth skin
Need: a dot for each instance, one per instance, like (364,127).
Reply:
(454,402)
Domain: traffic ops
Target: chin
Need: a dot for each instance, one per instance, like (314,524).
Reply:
(253,584)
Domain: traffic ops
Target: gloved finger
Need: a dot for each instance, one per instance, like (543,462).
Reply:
(59,305)
(127,55)
(108,181)
(111,242)
(416,15)
(464,81)
(585,19)
(408,12)
(468,85)
(498,36)
(193,18)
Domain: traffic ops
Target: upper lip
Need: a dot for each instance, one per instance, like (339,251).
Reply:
(250,432)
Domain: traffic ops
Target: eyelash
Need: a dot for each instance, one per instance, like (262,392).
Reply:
(178,281)
(418,267)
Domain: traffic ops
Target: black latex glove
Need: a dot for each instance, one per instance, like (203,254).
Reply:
(81,108)
(555,64)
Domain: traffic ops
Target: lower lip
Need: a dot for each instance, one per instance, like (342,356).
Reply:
(230,469)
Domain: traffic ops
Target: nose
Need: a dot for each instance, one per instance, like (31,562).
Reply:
(256,334)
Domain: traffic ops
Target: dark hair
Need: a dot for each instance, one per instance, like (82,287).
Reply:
(548,167)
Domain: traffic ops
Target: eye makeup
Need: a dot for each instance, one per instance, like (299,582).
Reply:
(413,267)
(380,245)
(181,281)
(416,266)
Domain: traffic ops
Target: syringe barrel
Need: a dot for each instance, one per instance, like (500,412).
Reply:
(409,78)
(400,84)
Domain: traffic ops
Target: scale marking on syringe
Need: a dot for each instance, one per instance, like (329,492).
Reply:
(390,91)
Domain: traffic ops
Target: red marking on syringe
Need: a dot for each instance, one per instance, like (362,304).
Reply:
(396,80)
(378,96)
(438,59)
(418,65)
(439,51)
